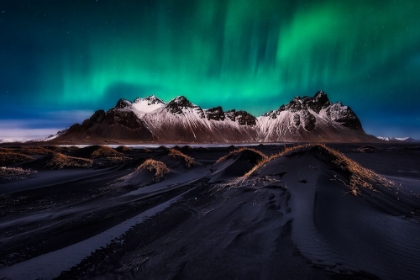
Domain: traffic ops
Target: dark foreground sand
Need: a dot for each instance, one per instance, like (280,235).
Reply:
(97,213)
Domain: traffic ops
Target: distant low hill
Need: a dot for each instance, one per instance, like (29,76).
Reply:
(398,139)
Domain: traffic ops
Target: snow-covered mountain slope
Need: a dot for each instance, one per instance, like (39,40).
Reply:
(152,120)
(312,119)
(182,121)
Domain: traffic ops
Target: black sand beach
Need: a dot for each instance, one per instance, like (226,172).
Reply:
(211,212)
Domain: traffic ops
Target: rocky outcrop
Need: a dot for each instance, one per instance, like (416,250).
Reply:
(216,114)
(177,105)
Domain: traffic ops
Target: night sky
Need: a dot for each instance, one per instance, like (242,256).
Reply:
(61,60)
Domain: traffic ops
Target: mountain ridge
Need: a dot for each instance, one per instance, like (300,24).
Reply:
(151,120)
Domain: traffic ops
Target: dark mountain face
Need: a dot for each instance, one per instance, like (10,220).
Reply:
(245,118)
(122,103)
(231,114)
(216,114)
(302,119)
(242,117)
(345,116)
(177,105)
(309,120)
(114,124)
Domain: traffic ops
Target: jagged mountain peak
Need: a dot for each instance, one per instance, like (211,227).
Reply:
(321,95)
(179,103)
(151,99)
(316,103)
(123,103)
(306,114)
(148,104)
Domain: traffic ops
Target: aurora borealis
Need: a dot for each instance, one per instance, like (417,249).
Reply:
(61,60)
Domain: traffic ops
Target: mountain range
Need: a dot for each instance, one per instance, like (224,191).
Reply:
(151,120)
(397,139)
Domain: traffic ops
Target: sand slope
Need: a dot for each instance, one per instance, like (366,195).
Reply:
(294,216)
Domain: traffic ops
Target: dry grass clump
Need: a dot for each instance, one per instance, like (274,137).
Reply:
(12,173)
(291,149)
(104,151)
(280,154)
(189,161)
(117,159)
(258,165)
(53,148)
(122,149)
(26,150)
(358,175)
(237,151)
(34,150)
(9,157)
(59,161)
(158,167)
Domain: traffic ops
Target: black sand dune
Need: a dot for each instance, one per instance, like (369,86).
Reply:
(236,164)
(102,156)
(96,152)
(307,213)
(58,161)
(327,223)
(122,149)
(176,160)
(148,172)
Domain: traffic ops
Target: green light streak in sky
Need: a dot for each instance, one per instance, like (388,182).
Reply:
(224,52)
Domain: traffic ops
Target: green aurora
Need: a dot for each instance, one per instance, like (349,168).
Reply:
(252,55)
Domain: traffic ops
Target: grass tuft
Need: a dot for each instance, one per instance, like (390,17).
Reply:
(34,150)
(60,161)
(358,176)
(189,161)
(237,151)
(10,157)
(267,159)
(14,173)
(105,152)
(123,149)
(158,167)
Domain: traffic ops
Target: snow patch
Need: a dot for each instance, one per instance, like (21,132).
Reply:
(144,106)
